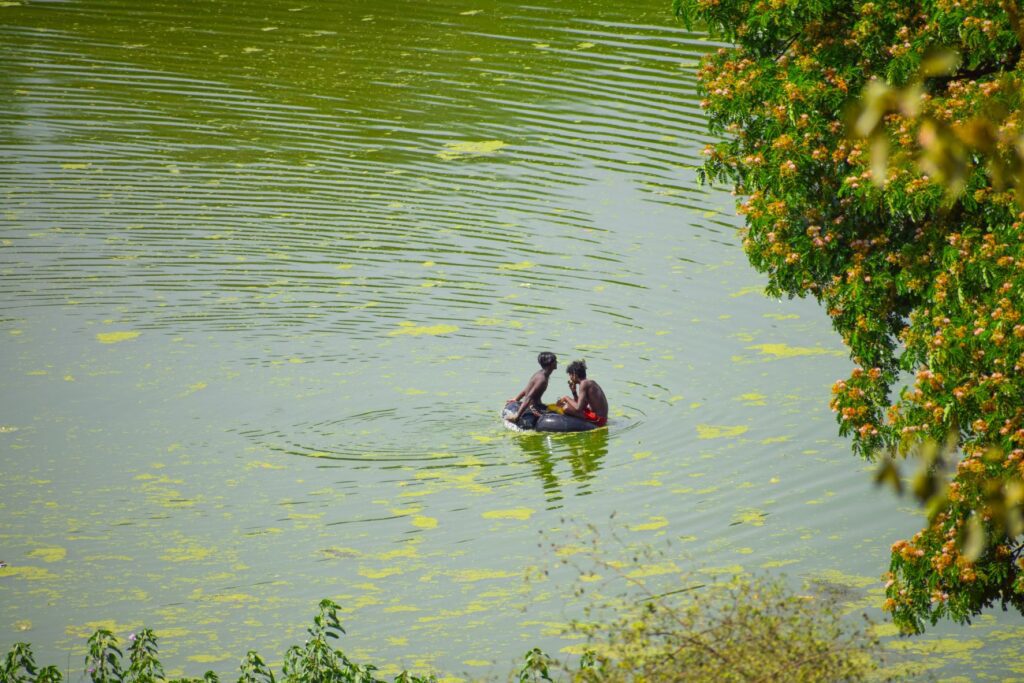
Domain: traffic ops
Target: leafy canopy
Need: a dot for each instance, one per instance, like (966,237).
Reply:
(877,150)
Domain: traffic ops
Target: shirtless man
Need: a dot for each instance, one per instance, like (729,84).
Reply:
(588,400)
(530,397)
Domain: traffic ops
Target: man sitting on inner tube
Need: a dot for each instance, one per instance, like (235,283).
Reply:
(588,400)
(530,397)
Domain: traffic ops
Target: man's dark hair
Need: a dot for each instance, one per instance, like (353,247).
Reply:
(546,358)
(578,368)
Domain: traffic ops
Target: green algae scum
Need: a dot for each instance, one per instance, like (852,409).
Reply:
(268,268)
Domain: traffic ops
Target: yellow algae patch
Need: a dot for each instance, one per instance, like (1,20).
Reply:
(773,564)
(657,522)
(787,351)
(207,659)
(423,522)
(949,647)
(570,550)
(87,629)
(115,337)
(476,662)
(456,150)
(782,316)
(400,608)
(450,613)
(27,573)
(522,265)
(498,322)
(462,481)
(549,628)
(192,552)
(237,598)
(642,455)
(885,630)
(753,399)
(417,330)
(49,554)
(751,516)
(379,573)
(512,513)
(109,558)
(261,465)
(852,580)
(1005,634)
(305,515)
(471,575)
(747,290)
(705,431)
(657,569)
(366,587)
(774,439)
(74,166)
(730,569)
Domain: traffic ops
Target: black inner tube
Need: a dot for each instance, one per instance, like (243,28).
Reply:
(547,422)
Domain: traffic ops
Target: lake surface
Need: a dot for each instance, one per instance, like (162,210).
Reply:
(269,271)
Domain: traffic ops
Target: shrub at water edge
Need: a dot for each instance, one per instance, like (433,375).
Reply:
(317,661)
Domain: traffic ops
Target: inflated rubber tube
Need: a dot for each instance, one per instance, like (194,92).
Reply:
(547,422)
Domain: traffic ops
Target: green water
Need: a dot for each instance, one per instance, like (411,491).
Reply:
(269,270)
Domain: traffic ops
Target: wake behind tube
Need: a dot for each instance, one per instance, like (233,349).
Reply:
(547,422)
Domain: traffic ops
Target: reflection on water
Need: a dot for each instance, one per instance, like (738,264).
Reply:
(268,267)
(581,453)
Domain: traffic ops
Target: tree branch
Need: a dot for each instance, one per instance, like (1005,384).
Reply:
(1007,63)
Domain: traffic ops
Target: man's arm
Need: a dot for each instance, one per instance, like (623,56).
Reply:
(575,406)
(526,395)
(526,389)
(565,400)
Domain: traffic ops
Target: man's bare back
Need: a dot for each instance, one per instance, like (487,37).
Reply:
(532,396)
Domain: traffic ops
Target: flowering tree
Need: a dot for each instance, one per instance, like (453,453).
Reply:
(876,148)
